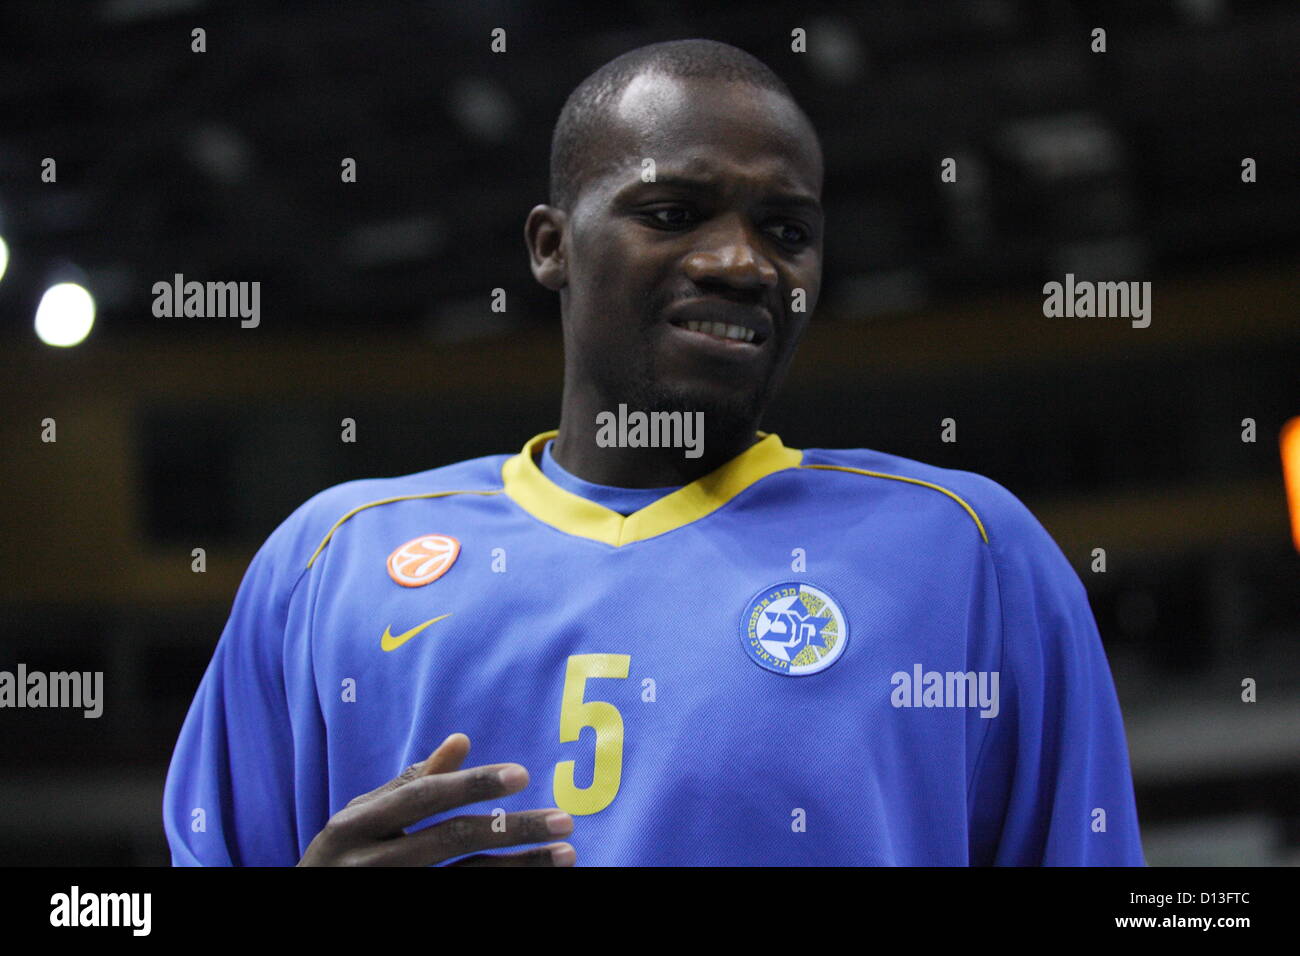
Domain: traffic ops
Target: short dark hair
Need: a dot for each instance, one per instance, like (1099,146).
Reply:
(587,108)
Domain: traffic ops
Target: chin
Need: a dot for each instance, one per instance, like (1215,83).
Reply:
(724,408)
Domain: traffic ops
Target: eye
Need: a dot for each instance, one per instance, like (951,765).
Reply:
(791,233)
(672,216)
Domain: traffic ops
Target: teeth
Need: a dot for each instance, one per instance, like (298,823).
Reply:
(722,330)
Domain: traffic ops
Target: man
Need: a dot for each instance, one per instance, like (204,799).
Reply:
(670,635)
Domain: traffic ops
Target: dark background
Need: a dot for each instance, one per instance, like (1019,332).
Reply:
(181,433)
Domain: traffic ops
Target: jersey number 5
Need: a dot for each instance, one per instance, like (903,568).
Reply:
(604,718)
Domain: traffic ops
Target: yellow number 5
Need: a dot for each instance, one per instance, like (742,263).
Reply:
(575,713)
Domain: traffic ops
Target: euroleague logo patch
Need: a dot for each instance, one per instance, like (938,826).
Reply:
(794,629)
(423,559)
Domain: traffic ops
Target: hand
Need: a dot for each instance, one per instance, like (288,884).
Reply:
(370,831)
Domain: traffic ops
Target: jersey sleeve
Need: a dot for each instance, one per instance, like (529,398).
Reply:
(229,798)
(1052,784)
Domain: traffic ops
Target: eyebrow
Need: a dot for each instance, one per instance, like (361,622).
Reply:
(710,183)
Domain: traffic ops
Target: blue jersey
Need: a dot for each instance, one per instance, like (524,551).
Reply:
(804,657)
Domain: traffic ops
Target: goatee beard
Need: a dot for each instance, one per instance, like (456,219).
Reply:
(722,415)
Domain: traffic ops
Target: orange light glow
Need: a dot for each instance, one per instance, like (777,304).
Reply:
(1291,474)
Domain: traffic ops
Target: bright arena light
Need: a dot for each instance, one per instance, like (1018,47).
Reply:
(65,315)
(4,258)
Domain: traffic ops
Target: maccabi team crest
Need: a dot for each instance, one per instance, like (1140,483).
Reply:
(423,559)
(794,629)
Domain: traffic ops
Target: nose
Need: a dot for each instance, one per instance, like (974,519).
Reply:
(729,254)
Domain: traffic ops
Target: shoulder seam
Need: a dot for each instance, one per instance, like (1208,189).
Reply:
(388,501)
(914,481)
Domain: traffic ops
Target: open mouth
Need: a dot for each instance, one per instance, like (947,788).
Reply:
(723,331)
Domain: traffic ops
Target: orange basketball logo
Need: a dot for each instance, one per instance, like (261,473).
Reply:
(423,559)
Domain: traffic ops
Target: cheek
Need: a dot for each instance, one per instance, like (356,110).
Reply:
(615,271)
(809,280)
(596,265)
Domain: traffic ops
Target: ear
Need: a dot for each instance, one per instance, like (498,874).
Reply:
(544,235)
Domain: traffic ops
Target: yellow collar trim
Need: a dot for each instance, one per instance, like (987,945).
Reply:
(548,502)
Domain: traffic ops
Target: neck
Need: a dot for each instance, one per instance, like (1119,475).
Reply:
(580,448)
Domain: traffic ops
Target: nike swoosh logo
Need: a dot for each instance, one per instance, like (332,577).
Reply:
(391,642)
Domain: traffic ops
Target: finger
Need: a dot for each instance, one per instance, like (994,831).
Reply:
(388,814)
(446,757)
(451,753)
(553,854)
(472,833)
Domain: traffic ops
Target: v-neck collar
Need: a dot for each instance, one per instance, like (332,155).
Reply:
(573,514)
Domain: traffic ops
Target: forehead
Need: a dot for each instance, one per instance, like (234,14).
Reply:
(713,128)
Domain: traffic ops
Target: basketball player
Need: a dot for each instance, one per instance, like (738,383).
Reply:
(672,638)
